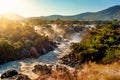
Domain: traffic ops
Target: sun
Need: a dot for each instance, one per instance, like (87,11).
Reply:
(8,6)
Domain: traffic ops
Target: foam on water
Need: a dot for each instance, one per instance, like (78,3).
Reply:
(25,66)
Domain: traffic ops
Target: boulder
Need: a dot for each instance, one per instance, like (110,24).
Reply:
(13,75)
(42,69)
(9,73)
(21,77)
(34,52)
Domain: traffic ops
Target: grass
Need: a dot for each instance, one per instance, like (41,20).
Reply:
(93,71)
(89,71)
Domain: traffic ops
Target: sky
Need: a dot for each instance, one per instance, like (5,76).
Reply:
(29,8)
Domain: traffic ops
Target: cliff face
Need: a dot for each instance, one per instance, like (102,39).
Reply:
(33,52)
(18,41)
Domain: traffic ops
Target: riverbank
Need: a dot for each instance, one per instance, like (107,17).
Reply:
(25,66)
(88,71)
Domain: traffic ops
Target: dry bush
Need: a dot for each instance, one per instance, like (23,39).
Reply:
(93,71)
(89,71)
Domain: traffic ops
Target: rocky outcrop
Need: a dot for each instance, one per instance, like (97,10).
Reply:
(42,69)
(53,72)
(48,69)
(21,77)
(71,61)
(33,52)
(45,47)
(13,75)
(9,73)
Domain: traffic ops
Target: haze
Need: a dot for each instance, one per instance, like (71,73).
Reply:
(28,8)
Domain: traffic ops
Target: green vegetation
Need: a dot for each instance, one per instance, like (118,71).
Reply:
(16,41)
(102,45)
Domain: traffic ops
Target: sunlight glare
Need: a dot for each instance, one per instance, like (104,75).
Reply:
(8,5)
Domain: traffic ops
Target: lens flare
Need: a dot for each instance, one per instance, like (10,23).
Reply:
(8,5)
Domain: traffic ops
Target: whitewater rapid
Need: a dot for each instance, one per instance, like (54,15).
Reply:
(25,66)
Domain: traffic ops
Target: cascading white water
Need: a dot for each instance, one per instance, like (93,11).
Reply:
(25,66)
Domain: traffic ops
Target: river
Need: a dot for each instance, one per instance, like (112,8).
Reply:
(25,66)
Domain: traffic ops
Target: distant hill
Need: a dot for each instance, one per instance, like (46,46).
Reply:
(106,14)
(12,16)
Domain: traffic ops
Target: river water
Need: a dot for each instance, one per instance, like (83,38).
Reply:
(25,66)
